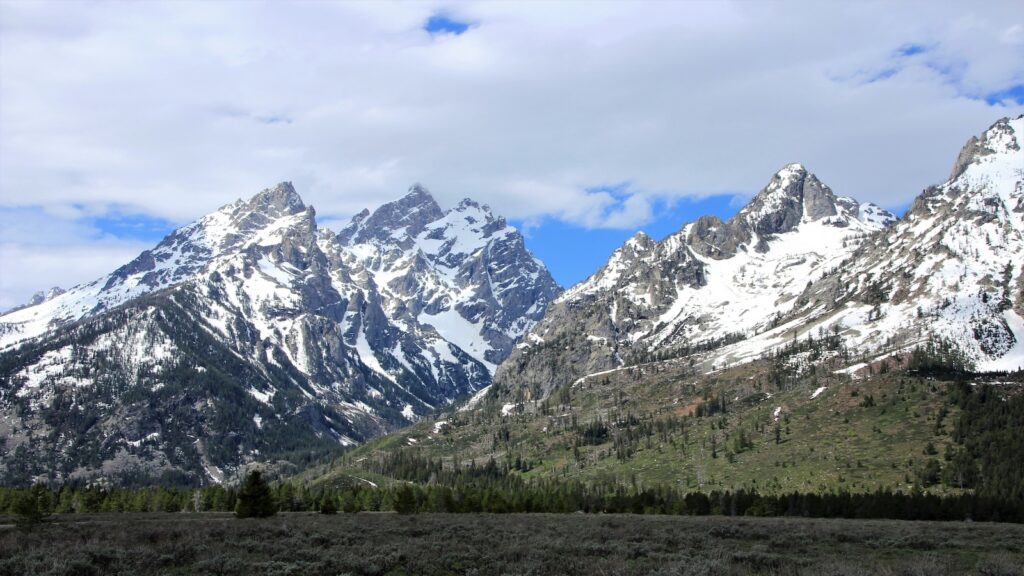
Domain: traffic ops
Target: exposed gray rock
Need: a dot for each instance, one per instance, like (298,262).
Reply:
(712,238)
(990,142)
(404,218)
(276,335)
(950,269)
(651,298)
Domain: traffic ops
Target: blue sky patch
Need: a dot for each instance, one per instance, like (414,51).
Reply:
(33,225)
(572,253)
(132,226)
(911,49)
(953,72)
(1011,94)
(442,24)
(882,75)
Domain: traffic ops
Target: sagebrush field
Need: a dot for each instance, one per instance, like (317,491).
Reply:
(483,544)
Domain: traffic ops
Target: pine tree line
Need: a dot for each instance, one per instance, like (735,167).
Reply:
(562,497)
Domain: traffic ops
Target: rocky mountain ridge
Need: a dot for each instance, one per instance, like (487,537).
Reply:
(38,298)
(710,283)
(332,338)
(799,261)
(952,268)
(808,343)
(252,332)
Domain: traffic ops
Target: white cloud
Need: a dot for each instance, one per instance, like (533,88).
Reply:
(39,250)
(25,264)
(172,109)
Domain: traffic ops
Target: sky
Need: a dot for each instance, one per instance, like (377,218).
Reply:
(580,122)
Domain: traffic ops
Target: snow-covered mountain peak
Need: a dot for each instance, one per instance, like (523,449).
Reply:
(789,173)
(995,171)
(712,281)
(786,181)
(461,231)
(950,268)
(281,200)
(394,222)
(38,298)
(986,179)
(874,215)
(794,214)
(793,198)
(337,338)
(793,195)
(1001,139)
(619,263)
(1004,137)
(640,241)
(467,204)
(417,194)
(472,210)
(273,217)
(464,272)
(42,296)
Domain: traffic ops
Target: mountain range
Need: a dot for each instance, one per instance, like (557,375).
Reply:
(252,335)
(797,261)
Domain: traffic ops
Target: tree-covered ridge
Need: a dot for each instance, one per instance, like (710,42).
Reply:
(978,476)
(989,446)
(811,417)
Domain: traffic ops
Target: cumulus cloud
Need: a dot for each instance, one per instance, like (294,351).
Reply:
(63,247)
(30,267)
(173,109)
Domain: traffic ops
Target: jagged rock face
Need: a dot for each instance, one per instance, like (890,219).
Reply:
(276,335)
(712,281)
(464,272)
(407,216)
(793,196)
(951,268)
(798,260)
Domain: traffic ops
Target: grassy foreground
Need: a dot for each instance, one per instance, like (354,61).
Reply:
(427,544)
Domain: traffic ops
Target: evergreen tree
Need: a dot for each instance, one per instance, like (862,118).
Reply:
(327,505)
(31,507)
(254,498)
(405,500)
(350,501)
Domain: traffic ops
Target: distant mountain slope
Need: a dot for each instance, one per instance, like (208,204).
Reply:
(952,268)
(709,283)
(274,333)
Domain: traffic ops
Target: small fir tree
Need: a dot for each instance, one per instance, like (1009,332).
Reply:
(31,507)
(254,498)
(405,500)
(327,505)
